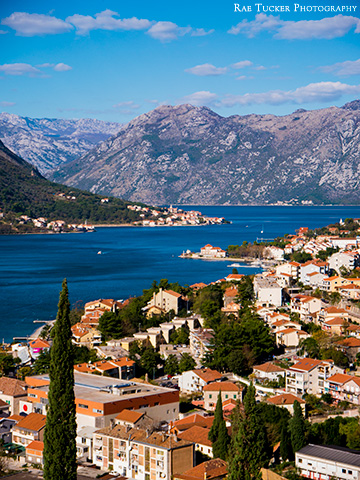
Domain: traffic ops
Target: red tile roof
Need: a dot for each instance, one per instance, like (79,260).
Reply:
(212,469)
(223,386)
(268,367)
(306,364)
(284,399)
(33,421)
(129,416)
(12,387)
(35,445)
(196,434)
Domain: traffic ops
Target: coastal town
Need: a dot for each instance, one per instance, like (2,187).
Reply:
(148,217)
(153,372)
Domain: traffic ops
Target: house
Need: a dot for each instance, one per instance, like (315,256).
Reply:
(129,417)
(195,380)
(108,304)
(267,292)
(215,469)
(197,419)
(37,346)
(290,268)
(234,277)
(349,291)
(228,390)
(306,306)
(12,391)
(85,335)
(310,267)
(29,428)
(123,368)
(344,387)
(286,400)
(34,452)
(268,371)
(230,295)
(349,346)
(200,437)
(290,337)
(336,326)
(231,309)
(324,462)
(308,375)
(163,302)
(141,455)
(348,260)
(212,252)
(330,284)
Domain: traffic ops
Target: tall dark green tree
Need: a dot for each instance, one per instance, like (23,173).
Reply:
(60,429)
(286,451)
(297,428)
(218,434)
(249,447)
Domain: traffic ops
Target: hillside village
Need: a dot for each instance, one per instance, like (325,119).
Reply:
(150,370)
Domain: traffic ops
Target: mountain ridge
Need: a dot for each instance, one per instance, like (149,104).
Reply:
(191,155)
(49,142)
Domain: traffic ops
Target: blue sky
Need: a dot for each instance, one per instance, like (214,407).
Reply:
(116,59)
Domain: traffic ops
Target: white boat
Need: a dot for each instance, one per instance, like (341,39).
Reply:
(235,265)
(99,252)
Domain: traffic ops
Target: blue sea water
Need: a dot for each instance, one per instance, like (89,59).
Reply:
(32,267)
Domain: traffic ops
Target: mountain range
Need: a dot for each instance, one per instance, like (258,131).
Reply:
(49,142)
(191,155)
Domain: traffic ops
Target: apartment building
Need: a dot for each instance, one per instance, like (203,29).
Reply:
(195,380)
(29,428)
(267,292)
(100,399)
(308,376)
(140,454)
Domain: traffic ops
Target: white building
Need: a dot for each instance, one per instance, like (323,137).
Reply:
(267,291)
(349,260)
(324,463)
(195,380)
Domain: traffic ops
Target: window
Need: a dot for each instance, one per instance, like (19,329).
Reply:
(350,472)
(32,395)
(343,470)
(82,405)
(300,460)
(235,397)
(226,396)
(96,410)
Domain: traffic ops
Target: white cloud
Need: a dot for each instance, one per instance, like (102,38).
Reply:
(18,69)
(206,70)
(314,92)
(62,67)
(260,68)
(200,32)
(343,68)
(242,64)
(106,21)
(166,31)
(30,24)
(126,108)
(200,98)
(7,104)
(326,28)
(58,67)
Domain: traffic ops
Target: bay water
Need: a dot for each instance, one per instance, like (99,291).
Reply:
(32,267)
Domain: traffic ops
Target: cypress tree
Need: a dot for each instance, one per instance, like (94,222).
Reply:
(250,449)
(218,434)
(297,428)
(60,429)
(286,451)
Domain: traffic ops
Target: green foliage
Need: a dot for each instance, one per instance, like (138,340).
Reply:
(301,257)
(311,347)
(325,254)
(149,361)
(238,345)
(110,325)
(186,363)
(60,429)
(297,428)
(7,363)
(180,336)
(42,363)
(286,451)
(249,447)
(218,434)
(340,359)
(82,354)
(171,366)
